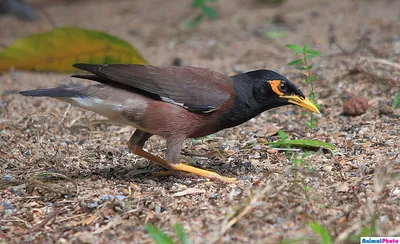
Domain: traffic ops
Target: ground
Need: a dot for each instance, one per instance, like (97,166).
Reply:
(62,166)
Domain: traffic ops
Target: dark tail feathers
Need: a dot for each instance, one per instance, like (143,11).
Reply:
(51,92)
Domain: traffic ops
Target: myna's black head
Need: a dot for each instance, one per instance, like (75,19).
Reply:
(273,90)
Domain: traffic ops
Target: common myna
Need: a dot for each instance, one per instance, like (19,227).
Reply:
(176,102)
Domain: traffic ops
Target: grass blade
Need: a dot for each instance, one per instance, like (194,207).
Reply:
(181,234)
(158,236)
(322,232)
(396,101)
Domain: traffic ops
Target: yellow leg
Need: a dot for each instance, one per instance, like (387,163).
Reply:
(183,167)
(204,173)
(136,146)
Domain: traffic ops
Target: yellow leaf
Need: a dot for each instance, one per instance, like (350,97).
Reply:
(58,49)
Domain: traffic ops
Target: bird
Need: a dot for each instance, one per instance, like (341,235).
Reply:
(176,103)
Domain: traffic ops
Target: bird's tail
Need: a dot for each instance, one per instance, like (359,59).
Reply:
(53,92)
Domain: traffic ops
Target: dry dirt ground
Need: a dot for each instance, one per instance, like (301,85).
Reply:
(61,166)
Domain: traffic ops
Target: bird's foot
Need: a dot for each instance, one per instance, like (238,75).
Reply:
(204,173)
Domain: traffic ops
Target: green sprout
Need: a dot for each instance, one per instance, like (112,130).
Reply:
(303,64)
(205,10)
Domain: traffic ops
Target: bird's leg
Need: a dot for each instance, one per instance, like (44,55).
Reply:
(174,146)
(136,143)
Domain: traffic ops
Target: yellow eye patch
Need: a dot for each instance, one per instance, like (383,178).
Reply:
(275,86)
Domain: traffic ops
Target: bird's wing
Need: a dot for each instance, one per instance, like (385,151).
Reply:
(196,89)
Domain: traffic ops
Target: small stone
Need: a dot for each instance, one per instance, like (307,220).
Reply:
(214,195)
(7,177)
(343,187)
(396,192)
(328,168)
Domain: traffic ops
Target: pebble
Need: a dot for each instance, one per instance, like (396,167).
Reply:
(7,177)
(396,192)
(214,195)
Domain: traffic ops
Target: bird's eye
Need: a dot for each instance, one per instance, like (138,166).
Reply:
(283,87)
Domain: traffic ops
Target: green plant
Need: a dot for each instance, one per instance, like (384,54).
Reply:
(160,237)
(205,10)
(298,160)
(303,64)
(396,101)
(325,237)
(284,142)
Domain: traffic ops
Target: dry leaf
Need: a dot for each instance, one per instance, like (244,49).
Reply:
(269,130)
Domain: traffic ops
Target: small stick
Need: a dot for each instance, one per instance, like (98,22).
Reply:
(65,114)
(268,188)
(47,219)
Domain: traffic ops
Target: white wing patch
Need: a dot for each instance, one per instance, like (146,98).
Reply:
(169,100)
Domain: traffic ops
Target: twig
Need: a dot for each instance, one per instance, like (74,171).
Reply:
(65,114)
(381,61)
(47,219)
(267,189)
(36,180)
(71,217)
(116,220)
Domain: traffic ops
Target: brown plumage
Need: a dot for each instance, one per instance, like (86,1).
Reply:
(177,102)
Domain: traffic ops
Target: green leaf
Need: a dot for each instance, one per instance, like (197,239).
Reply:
(313,52)
(300,68)
(58,49)
(181,234)
(296,62)
(282,135)
(305,48)
(312,78)
(306,154)
(304,144)
(396,101)
(158,236)
(210,12)
(310,66)
(198,3)
(195,21)
(294,47)
(276,34)
(322,232)
(308,56)
(310,125)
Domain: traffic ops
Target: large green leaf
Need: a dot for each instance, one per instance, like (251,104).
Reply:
(58,49)
(304,143)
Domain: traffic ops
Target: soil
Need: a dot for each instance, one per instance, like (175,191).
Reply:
(68,177)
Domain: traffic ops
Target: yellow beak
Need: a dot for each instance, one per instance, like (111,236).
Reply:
(302,102)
